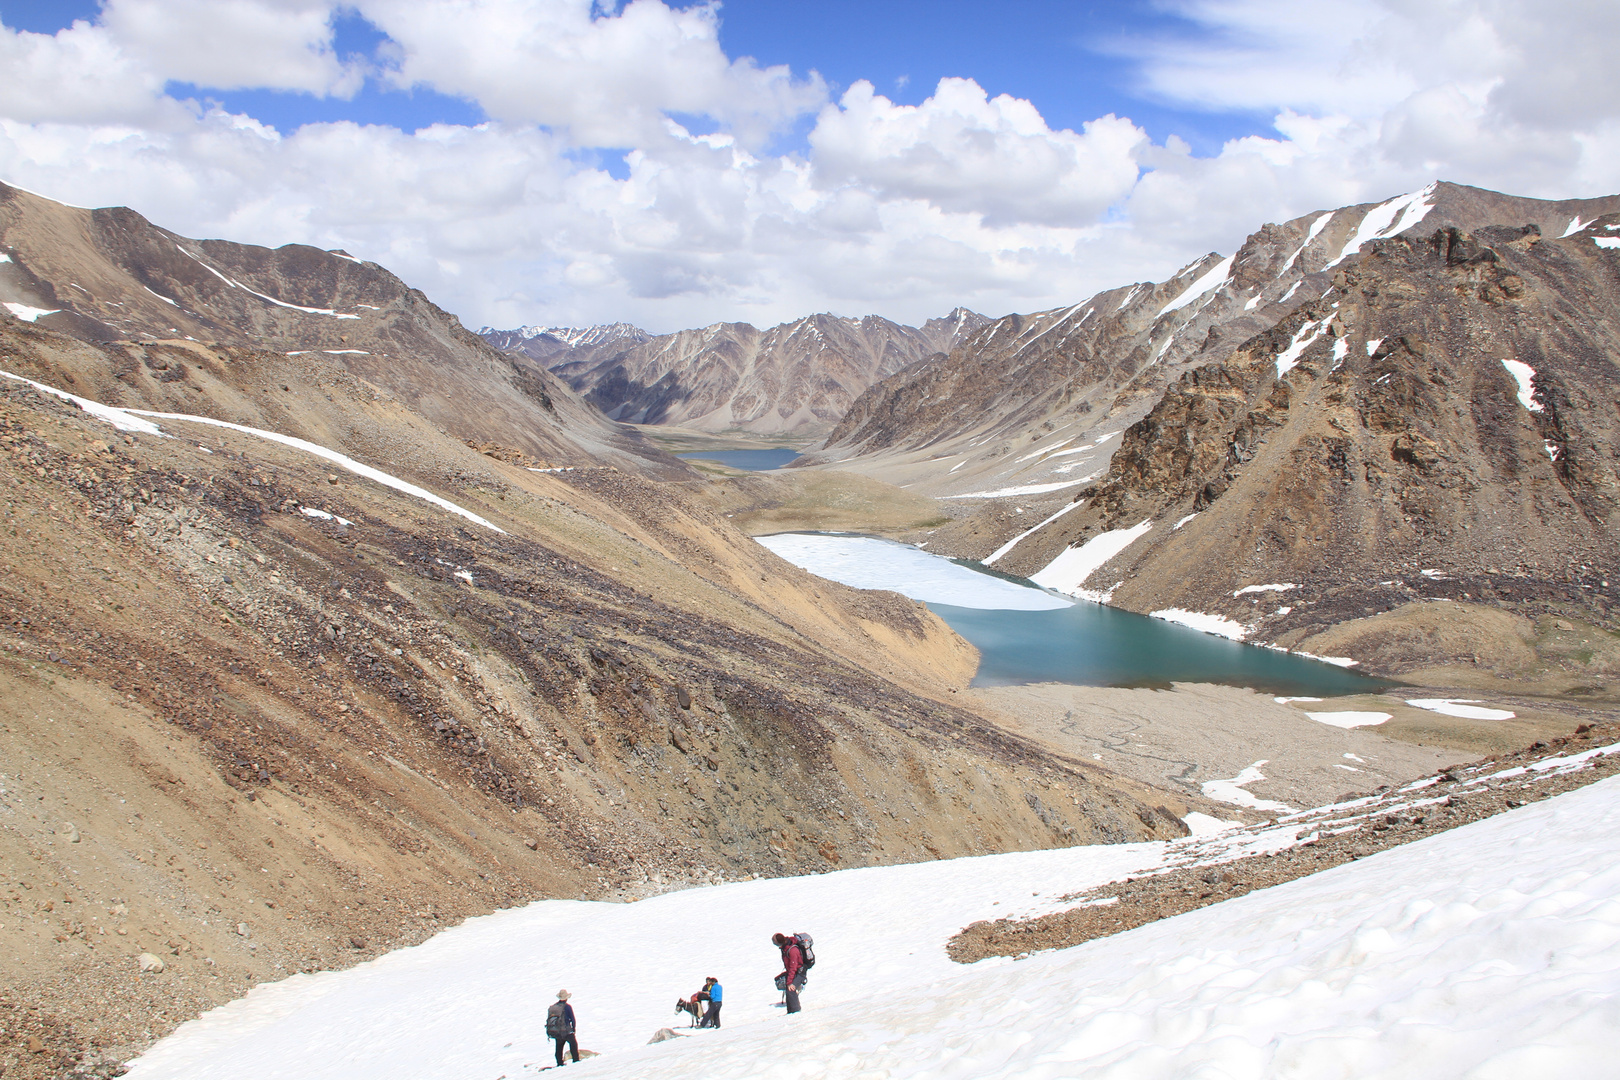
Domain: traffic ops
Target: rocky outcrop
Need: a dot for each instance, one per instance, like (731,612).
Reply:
(798,377)
(1439,428)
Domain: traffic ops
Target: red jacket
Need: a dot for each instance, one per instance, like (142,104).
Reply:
(793,960)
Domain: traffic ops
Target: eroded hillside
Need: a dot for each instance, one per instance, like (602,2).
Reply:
(301,665)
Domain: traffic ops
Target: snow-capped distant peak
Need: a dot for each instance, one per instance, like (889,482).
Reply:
(576,336)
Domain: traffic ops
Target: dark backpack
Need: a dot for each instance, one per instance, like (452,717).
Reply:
(807,948)
(556,1022)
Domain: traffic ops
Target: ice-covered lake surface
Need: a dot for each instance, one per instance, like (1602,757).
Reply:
(752,460)
(1490,951)
(1026,634)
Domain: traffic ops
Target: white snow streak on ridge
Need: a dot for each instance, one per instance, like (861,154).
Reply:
(260,295)
(1069,571)
(1524,374)
(310,511)
(118,418)
(1214,278)
(29,314)
(1231,791)
(1466,708)
(1316,227)
(130,420)
(1264,588)
(1606,241)
(866,562)
(1219,625)
(1043,450)
(335,458)
(1288,359)
(1008,492)
(1350,719)
(1009,545)
(1576,225)
(1411,209)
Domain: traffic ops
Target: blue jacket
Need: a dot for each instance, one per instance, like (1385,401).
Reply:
(715,993)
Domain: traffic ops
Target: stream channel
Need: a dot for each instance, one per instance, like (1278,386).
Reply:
(1026,634)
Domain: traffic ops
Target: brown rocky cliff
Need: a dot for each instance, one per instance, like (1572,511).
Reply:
(1395,464)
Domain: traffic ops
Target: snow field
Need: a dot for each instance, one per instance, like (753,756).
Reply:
(1490,951)
(866,562)
(1350,719)
(1069,571)
(26,313)
(1464,707)
(1219,625)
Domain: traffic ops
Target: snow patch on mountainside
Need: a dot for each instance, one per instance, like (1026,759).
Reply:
(1069,571)
(1219,625)
(26,313)
(1388,219)
(1214,278)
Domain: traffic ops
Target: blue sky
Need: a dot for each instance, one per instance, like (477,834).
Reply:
(1065,57)
(546,161)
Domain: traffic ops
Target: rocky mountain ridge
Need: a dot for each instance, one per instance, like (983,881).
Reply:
(1037,401)
(795,378)
(1420,466)
(540,343)
(109,275)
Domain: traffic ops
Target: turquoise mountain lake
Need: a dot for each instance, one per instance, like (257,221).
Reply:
(1025,634)
(752,460)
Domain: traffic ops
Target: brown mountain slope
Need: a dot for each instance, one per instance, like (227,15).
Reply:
(263,712)
(1374,460)
(110,275)
(1034,400)
(798,377)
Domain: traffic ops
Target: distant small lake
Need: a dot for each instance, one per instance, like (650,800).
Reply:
(752,460)
(1025,634)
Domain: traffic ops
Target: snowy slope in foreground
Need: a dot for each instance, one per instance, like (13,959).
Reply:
(1489,951)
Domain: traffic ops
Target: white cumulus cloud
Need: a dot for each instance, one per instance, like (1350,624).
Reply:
(961,150)
(903,210)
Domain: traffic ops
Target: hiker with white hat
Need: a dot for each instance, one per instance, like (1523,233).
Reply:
(560,1026)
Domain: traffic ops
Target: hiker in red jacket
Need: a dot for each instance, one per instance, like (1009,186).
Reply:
(792,979)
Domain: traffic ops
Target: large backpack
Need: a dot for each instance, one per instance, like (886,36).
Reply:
(556,1022)
(807,947)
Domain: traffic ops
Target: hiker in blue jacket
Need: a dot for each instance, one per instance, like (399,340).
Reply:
(711,986)
(560,1026)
